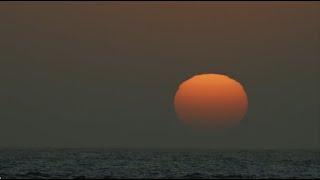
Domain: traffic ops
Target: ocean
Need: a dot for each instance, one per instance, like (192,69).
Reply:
(143,163)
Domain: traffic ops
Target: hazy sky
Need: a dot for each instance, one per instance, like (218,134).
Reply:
(105,74)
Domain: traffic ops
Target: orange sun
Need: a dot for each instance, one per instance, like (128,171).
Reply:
(211,101)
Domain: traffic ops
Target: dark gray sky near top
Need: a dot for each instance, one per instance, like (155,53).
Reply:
(105,74)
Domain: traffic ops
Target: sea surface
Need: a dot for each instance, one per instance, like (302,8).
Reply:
(103,163)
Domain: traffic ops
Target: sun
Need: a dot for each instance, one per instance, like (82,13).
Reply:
(211,101)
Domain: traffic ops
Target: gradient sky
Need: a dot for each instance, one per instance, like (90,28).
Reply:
(105,74)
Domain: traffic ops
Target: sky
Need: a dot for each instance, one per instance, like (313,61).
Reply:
(104,74)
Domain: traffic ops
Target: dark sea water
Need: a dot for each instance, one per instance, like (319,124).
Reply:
(94,163)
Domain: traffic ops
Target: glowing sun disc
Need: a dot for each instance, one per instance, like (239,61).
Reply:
(211,101)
